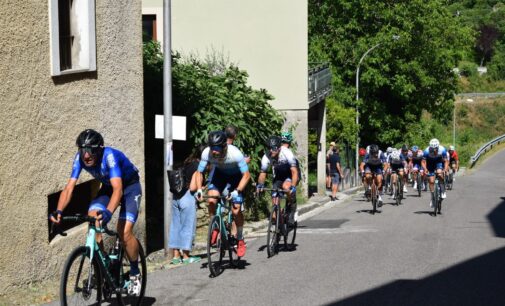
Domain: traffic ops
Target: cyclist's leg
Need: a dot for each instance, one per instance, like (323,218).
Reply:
(99,203)
(441,176)
(275,195)
(130,205)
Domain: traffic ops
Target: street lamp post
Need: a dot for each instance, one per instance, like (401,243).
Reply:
(395,37)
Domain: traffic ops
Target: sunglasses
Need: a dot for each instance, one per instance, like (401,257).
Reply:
(90,150)
(217,148)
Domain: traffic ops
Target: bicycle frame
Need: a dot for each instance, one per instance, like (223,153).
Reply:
(229,218)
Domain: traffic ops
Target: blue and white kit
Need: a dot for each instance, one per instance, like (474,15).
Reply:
(281,166)
(435,161)
(374,165)
(114,164)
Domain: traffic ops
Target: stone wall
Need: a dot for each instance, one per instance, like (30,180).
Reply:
(42,116)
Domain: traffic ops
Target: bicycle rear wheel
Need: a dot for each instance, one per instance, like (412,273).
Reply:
(435,198)
(289,231)
(273,232)
(374,198)
(130,294)
(81,282)
(216,251)
(397,191)
(419,184)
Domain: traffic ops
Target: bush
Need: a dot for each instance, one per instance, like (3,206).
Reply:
(467,69)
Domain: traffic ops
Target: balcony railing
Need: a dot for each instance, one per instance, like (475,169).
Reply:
(319,84)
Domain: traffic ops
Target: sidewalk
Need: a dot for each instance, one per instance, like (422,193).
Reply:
(315,204)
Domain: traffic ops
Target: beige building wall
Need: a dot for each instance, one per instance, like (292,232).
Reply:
(41,118)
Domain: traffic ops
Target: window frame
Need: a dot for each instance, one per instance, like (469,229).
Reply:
(88,17)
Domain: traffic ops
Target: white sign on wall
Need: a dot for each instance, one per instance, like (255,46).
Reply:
(178,127)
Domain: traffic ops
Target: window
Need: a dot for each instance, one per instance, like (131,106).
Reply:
(72,35)
(148,27)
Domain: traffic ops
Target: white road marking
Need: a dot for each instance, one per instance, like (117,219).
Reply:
(340,230)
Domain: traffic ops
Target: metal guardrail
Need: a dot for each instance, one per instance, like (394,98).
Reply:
(319,84)
(482,94)
(488,146)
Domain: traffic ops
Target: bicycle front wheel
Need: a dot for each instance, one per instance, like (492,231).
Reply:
(215,247)
(419,184)
(273,232)
(81,282)
(435,198)
(374,198)
(132,290)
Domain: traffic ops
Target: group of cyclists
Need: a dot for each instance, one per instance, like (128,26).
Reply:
(406,164)
(224,166)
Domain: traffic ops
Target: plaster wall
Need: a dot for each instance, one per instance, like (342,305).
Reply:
(41,118)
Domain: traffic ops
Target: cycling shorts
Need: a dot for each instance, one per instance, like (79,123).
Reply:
(130,201)
(377,170)
(432,168)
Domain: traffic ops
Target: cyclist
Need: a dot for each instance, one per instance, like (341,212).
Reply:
(453,160)
(387,178)
(283,163)
(397,164)
(120,185)
(416,165)
(435,163)
(227,167)
(405,153)
(372,167)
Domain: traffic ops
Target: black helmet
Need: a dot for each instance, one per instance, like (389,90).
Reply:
(89,141)
(216,138)
(374,149)
(274,143)
(405,148)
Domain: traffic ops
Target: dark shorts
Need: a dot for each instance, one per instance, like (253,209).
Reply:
(377,170)
(433,167)
(396,167)
(218,181)
(278,184)
(130,201)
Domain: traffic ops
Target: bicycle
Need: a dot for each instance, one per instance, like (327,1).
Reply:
(280,226)
(419,180)
(372,194)
(437,197)
(398,189)
(450,179)
(98,274)
(225,241)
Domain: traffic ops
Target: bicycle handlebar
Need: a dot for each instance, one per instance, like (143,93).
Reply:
(77,218)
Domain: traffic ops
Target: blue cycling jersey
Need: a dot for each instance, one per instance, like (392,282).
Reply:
(113,164)
(233,163)
(432,158)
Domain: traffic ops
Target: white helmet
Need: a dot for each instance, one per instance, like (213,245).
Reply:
(420,152)
(451,148)
(389,150)
(367,149)
(395,155)
(434,143)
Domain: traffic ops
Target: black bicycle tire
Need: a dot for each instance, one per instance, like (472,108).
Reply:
(272,235)
(289,230)
(374,197)
(397,190)
(212,265)
(143,266)
(76,253)
(419,184)
(435,198)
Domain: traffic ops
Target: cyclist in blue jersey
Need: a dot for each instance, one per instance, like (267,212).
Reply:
(119,186)
(372,167)
(416,165)
(283,163)
(435,163)
(227,168)
(407,156)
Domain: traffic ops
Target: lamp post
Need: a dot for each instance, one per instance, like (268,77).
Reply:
(394,37)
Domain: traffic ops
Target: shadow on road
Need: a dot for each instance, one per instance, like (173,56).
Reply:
(370,211)
(425,212)
(478,281)
(497,219)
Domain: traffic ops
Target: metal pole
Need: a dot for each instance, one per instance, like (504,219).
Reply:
(357,112)
(454,126)
(167,111)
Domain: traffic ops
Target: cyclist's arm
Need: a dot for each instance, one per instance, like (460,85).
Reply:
(294,176)
(262,177)
(423,164)
(339,169)
(243,182)
(117,193)
(198,176)
(66,194)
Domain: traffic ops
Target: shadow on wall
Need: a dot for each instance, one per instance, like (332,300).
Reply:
(83,194)
(478,281)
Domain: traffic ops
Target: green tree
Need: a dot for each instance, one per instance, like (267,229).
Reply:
(399,79)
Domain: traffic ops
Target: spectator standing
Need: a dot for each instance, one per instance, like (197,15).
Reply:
(335,171)
(328,153)
(183,225)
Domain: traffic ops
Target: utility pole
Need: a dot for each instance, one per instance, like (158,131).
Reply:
(167,125)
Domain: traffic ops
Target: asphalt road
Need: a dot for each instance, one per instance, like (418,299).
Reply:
(346,256)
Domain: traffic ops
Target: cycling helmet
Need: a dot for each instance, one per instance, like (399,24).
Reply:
(286,137)
(216,139)
(367,149)
(415,148)
(374,149)
(405,148)
(451,148)
(434,143)
(89,141)
(389,150)
(395,155)
(274,143)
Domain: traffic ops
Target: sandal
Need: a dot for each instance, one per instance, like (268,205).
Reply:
(176,261)
(191,259)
